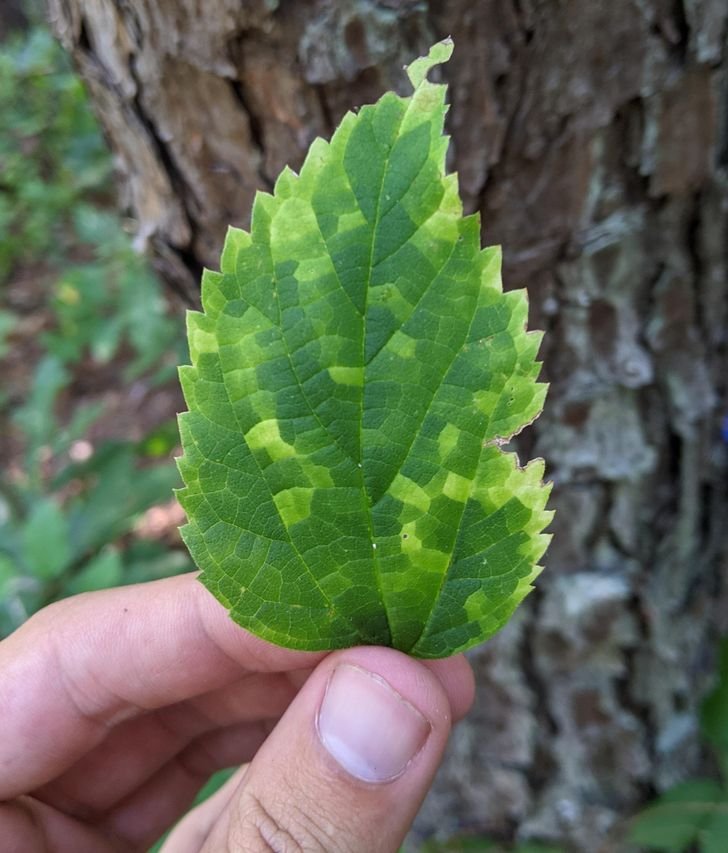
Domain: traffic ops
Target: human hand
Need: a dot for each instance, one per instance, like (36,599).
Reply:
(116,706)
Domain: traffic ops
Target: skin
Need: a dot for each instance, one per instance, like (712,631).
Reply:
(117,705)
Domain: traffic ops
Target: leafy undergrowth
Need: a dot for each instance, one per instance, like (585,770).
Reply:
(88,353)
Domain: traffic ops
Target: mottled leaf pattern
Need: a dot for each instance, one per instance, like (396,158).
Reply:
(354,371)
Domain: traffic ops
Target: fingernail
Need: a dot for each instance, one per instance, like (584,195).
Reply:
(370,729)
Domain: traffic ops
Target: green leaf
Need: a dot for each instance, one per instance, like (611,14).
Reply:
(676,820)
(45,541)
(714,712)
(7,324)
(101,572)
(8,573)
(714,835)
(145,561)
(36,417)
(122,491)
(354,372)
(462,845)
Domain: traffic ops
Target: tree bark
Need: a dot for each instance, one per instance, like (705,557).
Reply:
(593,139)
(13,18)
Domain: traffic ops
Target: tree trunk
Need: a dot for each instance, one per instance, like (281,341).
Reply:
(13,18)
(593,139)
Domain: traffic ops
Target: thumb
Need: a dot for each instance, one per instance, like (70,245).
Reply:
(348,765)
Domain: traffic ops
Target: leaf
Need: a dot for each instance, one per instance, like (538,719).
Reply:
(459,844)
(45,540)
(145,560)
(8,573)
(353,373)
(7,325)
(714,835)
(36,418)
(676,820)
(714,711)
(101,572)
(122,491)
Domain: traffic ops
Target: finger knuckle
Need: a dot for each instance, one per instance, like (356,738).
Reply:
(275,827)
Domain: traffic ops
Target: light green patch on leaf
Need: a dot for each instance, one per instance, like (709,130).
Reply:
(355,369)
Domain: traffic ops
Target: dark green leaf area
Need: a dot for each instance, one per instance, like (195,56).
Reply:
(354,370)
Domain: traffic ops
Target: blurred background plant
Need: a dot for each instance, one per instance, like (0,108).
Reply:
(88,351)
(693,815)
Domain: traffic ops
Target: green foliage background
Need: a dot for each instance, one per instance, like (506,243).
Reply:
(64,256)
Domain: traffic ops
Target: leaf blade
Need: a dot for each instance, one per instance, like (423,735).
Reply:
(353,370)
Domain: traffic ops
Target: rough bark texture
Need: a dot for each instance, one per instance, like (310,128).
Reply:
(593,138)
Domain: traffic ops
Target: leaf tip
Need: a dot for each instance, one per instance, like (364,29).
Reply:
(438,54)
(235,239)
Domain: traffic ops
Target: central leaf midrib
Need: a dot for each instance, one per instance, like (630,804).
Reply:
(422,295)
(365,494)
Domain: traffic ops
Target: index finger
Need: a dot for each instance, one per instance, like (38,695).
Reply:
(81,666)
